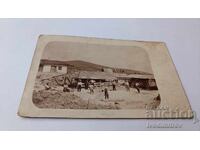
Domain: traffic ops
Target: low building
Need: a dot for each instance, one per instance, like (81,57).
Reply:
(146,81)
(50,66)
(107,70)
(97,76)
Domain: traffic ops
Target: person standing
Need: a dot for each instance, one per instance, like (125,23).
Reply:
(79,86)
(114,86)
(137,87)
(106,94)
(91,88)
(127,86)
(86,84)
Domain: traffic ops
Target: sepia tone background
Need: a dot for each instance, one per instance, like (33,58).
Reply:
(112,56)
(18,40)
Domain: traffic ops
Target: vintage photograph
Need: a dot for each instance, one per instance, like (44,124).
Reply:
(83,77)
(74,75)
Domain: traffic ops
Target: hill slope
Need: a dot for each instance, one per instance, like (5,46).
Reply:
(83,65)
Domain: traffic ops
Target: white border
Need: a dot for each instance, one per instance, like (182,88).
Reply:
(99,140)
(99,8)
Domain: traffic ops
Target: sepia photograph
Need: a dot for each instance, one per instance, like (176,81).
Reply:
(99,66)
(91,76)
(83,77)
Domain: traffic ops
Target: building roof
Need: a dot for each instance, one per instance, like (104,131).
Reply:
(96,75)
(52,62)
(121,75)
(111,76)
(141,76)
(137,76)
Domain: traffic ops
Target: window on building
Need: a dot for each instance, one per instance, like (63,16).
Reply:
(40,68)
(59,67)
(53,68)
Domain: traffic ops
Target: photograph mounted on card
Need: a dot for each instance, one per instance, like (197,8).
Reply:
(82,77)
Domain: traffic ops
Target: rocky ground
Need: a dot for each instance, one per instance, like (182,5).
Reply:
(120,99)
(84,100)
(64,100)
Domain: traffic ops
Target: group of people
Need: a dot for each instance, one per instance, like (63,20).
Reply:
(90,85)
(126,84)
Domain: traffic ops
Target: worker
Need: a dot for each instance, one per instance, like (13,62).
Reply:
(79,84)
(66,88)
(127,86)
(106,94)
(114,86)
(137,87)
(91,88)
(86,84)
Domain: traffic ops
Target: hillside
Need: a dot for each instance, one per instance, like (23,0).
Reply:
(87,66)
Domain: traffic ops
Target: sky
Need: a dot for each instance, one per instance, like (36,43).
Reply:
(128,57)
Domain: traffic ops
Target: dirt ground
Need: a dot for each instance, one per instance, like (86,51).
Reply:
(120,99)
(64,100)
